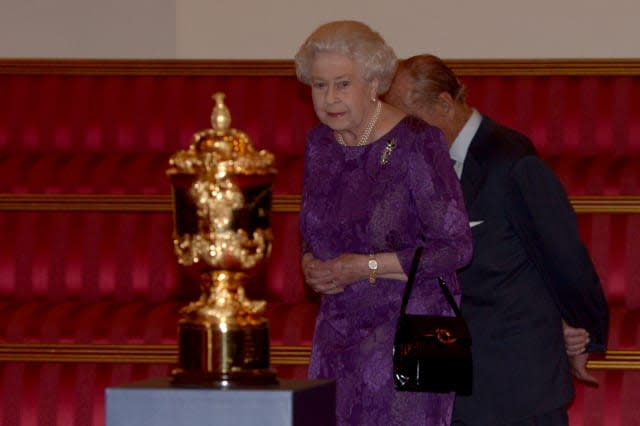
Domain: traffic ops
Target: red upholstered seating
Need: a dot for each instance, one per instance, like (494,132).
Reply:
(136,322)
(89,287)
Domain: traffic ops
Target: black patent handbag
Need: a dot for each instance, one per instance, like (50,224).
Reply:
(431,353)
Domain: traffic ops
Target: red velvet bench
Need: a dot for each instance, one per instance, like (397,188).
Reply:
(89,286)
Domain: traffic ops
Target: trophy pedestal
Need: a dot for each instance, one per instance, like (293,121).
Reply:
(156,402)
(223,350)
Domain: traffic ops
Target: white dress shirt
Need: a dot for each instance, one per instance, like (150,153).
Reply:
(460,146)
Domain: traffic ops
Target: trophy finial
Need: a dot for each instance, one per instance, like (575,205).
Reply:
(220,116)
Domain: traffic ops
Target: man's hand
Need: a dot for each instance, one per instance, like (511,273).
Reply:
(576,340)
(579,369)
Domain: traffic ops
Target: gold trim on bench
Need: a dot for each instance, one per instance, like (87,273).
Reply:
(168,354)
(113,203)
(148,67)
(606,203)
(281,203)
(617,360)
(546,67)
(285,68)
(125,354)
(81,202)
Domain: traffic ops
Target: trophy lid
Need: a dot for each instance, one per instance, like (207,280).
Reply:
(221,149)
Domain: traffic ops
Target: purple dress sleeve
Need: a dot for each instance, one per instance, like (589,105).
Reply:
(446,235)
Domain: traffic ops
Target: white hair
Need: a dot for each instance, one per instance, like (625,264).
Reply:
(354,40)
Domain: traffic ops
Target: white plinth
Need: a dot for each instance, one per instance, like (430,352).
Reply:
(156,402)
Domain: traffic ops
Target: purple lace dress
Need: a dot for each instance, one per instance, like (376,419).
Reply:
(355,202)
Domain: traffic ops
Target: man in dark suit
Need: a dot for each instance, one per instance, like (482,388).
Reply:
(531,296)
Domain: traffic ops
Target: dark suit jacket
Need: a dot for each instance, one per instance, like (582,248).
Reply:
(529,270)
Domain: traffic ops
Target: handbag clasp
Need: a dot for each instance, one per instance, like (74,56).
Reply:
(444,336)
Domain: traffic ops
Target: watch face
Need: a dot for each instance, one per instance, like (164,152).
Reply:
(373,264)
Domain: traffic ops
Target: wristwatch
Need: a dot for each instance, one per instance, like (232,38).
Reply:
(373,269)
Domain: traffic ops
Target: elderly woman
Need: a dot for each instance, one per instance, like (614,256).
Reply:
(377,184)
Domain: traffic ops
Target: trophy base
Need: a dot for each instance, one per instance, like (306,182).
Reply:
(223,355)
(184,378)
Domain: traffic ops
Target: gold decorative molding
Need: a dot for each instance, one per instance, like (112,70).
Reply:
(606,203)
(151,67)
(114,203)
(285,67)
(281,203)
(125,354)
(83,202)
(617,360)
(614,359)
(546,67)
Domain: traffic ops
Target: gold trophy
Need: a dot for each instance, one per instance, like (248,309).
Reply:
(222,191)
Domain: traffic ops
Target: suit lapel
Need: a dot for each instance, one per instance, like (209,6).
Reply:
(471,181)
(475,168)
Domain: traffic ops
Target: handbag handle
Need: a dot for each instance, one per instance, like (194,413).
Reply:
(409,286)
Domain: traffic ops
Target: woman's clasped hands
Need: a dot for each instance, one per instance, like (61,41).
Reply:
(334,275)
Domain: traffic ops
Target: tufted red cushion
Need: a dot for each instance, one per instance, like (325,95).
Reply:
(75,272)
(136,322)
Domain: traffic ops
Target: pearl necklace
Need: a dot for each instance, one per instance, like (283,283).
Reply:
(367,131)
